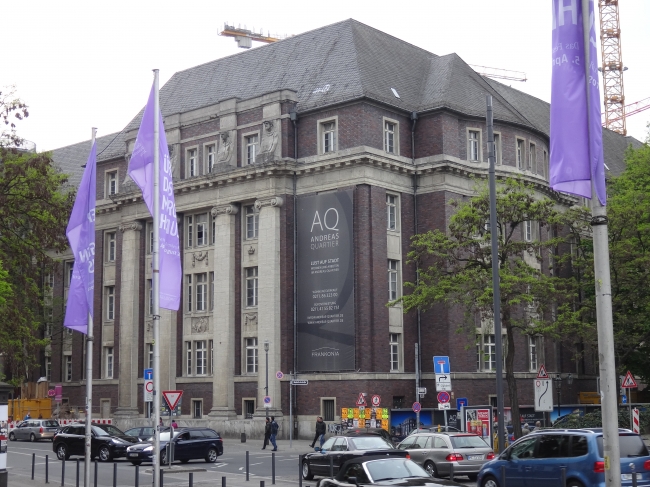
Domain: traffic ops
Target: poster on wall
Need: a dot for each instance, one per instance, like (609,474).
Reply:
(478,420)
(325,287)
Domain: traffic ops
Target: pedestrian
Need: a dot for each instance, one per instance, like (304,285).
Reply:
(160,423)
(267,432)
(274,431)
(320,431)
(525,430)
(174,425)
(538,425)
(27,416)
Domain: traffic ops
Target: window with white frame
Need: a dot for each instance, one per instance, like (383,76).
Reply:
(150,296)
(108,362)
(251,355)
(394,344)
(473,145)
(251,287)
(197,408)
(251,148)
(209,156)
(211,292)
(68,368)
(190,230)
(110,246)
(393,281)
(211,352)
(532,159)
(392,210)
(545,168)
(389,137)
(213,239)
(202,229)
(188,358)
(201,357)
(188,284)
(150,355)
(192,164)
(150,237)
(521,154)
(48,367)
(528,231)
(533,353)
(252,216)
(497,148)
(486,358)
(328,136)
(110,303)
(111,183)
(201,292)
(69,268)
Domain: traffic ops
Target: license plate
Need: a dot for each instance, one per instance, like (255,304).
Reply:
(626,476)
(133,454)
(475,457)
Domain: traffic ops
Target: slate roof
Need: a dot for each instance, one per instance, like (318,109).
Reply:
(357,61)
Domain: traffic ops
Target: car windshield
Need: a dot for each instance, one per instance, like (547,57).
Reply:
(100,432)
(50,424)
(469,441)
(630,446)
(110,429)
(370,443)
(394,468)
(165,436)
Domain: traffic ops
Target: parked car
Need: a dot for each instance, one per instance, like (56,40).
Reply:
(379,470)
(188,444)
(537,459)
(143,433)
(340,449)
(368,432)
(107,442)
(35,429)
(437,452)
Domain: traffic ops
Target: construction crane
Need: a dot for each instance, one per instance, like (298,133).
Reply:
(244,37)
(634,108)
(499,73)
(612,66)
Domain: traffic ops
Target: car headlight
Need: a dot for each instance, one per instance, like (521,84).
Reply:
(149,448)
(117,441)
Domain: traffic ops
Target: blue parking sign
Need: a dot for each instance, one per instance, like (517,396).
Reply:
(461,402)
(441,365)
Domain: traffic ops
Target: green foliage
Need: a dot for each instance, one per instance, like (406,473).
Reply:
(11,109)
(594,419)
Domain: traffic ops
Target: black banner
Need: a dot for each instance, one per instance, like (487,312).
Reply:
(325,282)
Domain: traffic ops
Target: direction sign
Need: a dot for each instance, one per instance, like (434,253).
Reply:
(543,395)
(299,382)
(623,399)
(416,407)
(279,374)
(441,365)
(541,373)
(461,402)
(443,382)
(267,401)
(376,400)
(172,398)
(444,405)
(361,401)
(443,397)
(628,381)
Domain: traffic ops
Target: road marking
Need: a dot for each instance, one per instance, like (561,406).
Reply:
(288,459)
(259,463)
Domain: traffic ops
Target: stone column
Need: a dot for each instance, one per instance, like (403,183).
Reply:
(129,320)
(268,328)
(223,384)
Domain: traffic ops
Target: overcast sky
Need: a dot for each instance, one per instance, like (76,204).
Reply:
(79,64)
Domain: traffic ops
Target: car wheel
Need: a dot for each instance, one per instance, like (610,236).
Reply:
(574,483)
(62,452)
(212,455)
(472,476)
(136,462)
(489,481)
(431,469)
(306,472)
(12,437)
(163,457)
(32,437)
(104,454)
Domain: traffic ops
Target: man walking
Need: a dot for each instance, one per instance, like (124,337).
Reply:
(267,433)
(320,431)
(274,431)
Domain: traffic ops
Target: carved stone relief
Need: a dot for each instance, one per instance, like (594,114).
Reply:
(224,210)
(225,150)
(250,319)
(274,201)
(200,257)
(124,227)
(270,137)
(200,325)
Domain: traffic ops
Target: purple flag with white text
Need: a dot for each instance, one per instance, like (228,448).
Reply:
(81,235)
(576,136)
(141,171)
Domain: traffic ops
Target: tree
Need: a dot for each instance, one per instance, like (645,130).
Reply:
(11,107)
(455,266)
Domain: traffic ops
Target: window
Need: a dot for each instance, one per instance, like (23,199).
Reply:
(251,355)
(328,137)
(328,409)
(201,292)
(545,168)
(252,222)
(197,408)
(486,352)
(473,145)
(110,247)
(391,207)
(150,355)
(532,353)
(209,156)
(214,229)
(532,159)
(528,231)
(48,367)
(188,281)
(150,233)
(398,402)
(389,137)
(211,352)
(201,357)
(110,303)
(211,297)
(108,363)
(68,368)
(191,164)
(497,148)
(251,286)
(202,229)
(249,408)
(393,266)
(111,183)
(150,295)
(520,154)
(190,231)
(188,357)
(394,352)
(251,148)
(69,267)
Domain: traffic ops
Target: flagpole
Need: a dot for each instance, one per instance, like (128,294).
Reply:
(89,379)
(156,283)
(604,320)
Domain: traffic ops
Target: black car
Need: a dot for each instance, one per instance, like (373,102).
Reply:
(368,432)
(107,442)
(143,433)
(340,449)
(188,444)
(379,470)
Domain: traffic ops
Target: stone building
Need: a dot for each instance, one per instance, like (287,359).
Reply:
(345,111)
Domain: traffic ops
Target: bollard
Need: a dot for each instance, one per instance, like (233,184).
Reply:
(300,459)
(223,481)
(137,476)
(191,479)
(273,468)
(261,483)
(451,472)
(114,474)
(96,467)
(47,471)
(161,478)
(246,465)
(563,476)
(503,476)
(62,472)
(634,484)
(331,467)
(77,484)
(33,464)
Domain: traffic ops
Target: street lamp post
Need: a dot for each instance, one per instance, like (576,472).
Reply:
(266,387)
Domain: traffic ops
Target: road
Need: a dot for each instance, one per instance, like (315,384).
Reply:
(231,465)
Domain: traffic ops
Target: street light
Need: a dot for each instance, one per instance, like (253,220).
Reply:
(266,387)
(558,388)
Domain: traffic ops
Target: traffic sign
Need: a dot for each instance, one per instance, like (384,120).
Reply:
(299,382)
(376,400)
(267,401)
(443,397)
(279,374)
(623,399)
(444,405)
(172,398)
(541,373)
(461,402)
(148,374)
(361,401)
(51,393)
(148,385)
(543,395)
(441,365)
(443,382)
(628,381)
(416,407)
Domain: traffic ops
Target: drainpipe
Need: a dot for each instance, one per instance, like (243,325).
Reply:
(414,119)
(293,115)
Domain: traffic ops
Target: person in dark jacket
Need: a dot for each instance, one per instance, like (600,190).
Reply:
(274,432)
(267,432)
(320,431)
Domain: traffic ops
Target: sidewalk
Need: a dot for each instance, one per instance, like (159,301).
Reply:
(297,446)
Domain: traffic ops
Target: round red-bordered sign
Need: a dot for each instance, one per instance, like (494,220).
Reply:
(443,397)
(416,407)
(376,400)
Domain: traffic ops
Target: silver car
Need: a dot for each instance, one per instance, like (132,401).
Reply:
(437,452)
(35,429)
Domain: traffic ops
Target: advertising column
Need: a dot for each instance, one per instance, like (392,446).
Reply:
(325,287)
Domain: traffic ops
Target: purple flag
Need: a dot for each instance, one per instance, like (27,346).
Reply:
(576,137)
(141,171)
(81,235)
